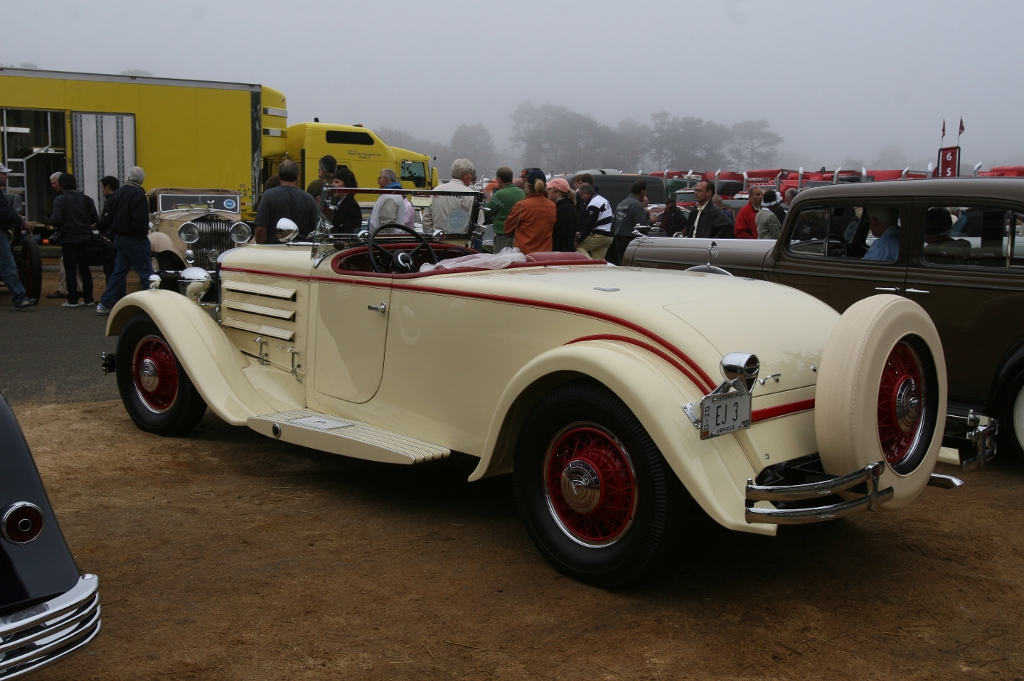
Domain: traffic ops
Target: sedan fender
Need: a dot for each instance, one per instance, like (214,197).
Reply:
(160,242)
(215,366)
(714,472)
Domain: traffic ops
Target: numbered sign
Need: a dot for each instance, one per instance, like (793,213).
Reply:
(949,162)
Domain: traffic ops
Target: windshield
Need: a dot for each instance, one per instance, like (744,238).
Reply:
(346,210)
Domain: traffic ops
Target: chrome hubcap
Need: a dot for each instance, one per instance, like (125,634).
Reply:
(581,486)
(908,404)
(149,374)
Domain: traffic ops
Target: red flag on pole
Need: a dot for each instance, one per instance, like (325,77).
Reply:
(961,126)
(943,128)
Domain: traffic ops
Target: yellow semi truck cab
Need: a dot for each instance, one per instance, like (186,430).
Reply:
(354,146)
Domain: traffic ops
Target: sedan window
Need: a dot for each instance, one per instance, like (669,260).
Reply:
(973,236)
(847,232)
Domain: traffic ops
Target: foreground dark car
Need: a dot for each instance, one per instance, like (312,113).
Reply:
(47,608)
(960,256)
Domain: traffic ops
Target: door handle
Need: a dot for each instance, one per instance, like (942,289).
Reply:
(917,290)
(889,289)
(382,308)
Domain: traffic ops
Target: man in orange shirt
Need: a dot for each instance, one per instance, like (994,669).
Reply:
(532,221)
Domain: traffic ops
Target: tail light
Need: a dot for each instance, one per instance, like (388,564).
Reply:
(22,522)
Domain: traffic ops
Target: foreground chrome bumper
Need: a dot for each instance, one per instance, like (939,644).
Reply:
(35,637)
(871,500)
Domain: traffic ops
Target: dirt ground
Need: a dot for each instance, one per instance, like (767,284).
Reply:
(227,555)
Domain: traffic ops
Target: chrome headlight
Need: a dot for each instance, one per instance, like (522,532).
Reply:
(286,230)
(188,232)
(742,365)
(240,233)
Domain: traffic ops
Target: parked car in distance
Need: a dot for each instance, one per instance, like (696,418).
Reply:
(958,251)
(597,397)
(616,188)
(48,609)
(212,211)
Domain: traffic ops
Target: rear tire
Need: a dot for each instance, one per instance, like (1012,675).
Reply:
(594,492)
(881,395)
(1011,427)
(155,390)
(30,267)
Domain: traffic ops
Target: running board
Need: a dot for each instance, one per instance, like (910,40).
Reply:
(345,437)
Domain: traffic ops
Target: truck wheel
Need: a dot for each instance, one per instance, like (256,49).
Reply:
(592,488)
(156,391)
(881,395)
(30,267)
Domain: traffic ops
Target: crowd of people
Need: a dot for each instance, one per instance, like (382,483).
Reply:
(118,237)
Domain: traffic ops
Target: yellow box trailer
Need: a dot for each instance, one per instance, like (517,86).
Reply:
(183,133)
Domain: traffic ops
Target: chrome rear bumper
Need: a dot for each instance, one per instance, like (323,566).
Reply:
(872,498)
(37,636)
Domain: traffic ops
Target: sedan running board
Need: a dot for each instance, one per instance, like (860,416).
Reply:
(345,437)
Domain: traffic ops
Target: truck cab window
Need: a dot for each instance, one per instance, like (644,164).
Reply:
(415,172)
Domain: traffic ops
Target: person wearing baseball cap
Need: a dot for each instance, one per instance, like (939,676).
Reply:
(9,221)
(564,235)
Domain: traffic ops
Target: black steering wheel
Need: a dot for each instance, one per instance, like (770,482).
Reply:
(398,260)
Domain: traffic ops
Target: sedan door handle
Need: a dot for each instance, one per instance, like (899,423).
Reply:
(917,290)
(382,308)
(889,289)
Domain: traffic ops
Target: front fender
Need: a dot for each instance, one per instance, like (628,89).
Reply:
(210,359)
(159,242)
(714,471)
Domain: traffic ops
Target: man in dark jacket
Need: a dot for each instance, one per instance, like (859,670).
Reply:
(9,221)
(126,218)
(628,214)
(706,220)
(74,214)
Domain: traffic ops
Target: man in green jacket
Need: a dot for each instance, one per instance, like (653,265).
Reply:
(500,205)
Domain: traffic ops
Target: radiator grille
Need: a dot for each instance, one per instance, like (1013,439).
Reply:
(213,236)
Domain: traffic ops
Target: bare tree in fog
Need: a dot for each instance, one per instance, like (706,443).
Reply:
(753,144)
(474,142)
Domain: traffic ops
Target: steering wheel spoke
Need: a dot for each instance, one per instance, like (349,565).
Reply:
(400,261)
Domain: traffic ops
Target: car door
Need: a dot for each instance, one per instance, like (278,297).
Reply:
(351,320)
(826,251)
(967,271)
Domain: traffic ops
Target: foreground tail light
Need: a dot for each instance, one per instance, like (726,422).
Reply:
(22,522)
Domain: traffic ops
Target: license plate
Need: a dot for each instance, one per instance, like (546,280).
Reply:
(721,414)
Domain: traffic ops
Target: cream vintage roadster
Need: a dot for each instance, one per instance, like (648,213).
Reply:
(609,393)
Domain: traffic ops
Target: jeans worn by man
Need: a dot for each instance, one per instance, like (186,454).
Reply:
(9,273)
(131,252)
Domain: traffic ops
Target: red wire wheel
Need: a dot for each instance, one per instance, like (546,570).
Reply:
(589,485)
(155,373)
(901,404)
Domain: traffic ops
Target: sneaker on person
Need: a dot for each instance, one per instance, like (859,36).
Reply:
(88,303)
(56,294)
(28,302)
(101,309)
(69,304)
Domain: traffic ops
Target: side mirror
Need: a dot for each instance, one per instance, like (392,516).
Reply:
(287,230)
(240,233)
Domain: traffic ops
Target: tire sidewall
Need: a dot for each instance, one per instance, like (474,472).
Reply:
(846,408)
(605,565)
(166,422)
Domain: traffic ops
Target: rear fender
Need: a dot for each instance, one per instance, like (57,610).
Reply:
(210,359)
(714,472)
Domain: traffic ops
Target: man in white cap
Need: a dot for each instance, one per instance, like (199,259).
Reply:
(9,221)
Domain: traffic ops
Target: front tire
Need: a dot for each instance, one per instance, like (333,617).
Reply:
(155,390)
(592,488)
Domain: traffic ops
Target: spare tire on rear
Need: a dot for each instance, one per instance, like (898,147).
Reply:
(881,395)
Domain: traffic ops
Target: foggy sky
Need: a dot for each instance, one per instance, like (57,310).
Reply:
(835,79)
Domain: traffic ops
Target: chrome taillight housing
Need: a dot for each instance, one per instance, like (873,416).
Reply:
(22,522)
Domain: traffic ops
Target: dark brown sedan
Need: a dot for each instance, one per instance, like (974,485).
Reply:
(954,246)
